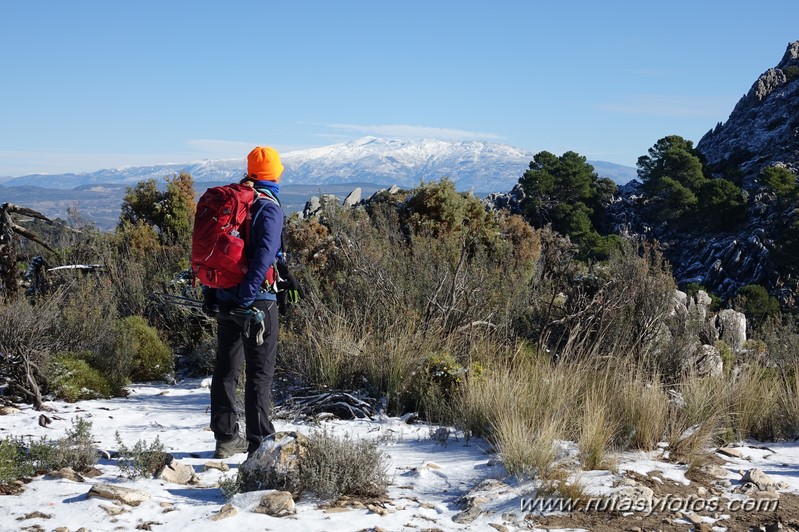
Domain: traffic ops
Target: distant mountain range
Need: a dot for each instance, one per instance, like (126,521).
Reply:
(369,163)
(478,166)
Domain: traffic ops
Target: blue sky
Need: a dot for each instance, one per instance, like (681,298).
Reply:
(86,85)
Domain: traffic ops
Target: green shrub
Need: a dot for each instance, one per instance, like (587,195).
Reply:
(727,356)
(332,467)
(757,304)
(791,72)
(143,459)
(780,180)
(20,458)
(12,461)
(71,378)
(137,341)
(77,449)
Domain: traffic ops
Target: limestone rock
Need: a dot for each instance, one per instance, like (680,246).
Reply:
(226,511)
(732,327)
(714,470)
(67,474)
(276,504)
(705,362)
(467,516)
(177,473)
(220,466)
(312,206)
(129,496)
(112,510)
(760,479)
(732,452)
(354,198)
(275,464)
(636,493)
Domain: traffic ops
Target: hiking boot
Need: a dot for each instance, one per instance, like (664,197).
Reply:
(225,449)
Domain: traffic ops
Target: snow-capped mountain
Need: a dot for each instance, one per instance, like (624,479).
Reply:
(479,166)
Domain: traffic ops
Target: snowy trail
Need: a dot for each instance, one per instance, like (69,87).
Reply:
(427,479)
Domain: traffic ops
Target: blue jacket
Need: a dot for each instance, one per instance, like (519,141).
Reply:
(261,249)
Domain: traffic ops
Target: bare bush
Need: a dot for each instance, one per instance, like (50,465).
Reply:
(27,341)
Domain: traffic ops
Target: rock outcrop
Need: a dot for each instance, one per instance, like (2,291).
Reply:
(763,129)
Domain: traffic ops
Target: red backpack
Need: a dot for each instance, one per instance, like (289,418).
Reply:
(221,227)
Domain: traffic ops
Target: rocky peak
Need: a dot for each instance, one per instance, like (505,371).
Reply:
(791,56)
(763,128)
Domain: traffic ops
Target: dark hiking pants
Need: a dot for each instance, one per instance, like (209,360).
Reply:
(233,349)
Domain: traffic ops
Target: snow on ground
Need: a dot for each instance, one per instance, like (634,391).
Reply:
(428,478)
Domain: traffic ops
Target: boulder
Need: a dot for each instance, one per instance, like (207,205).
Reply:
(275,464)
(312,206)
(732,328)
(353,198)
(706,362)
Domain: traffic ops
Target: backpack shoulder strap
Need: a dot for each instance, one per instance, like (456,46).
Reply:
(269,197)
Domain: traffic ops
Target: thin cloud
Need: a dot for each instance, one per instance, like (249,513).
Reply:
(408,131)
(657,105)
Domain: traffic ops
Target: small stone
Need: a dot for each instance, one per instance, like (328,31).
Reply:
(336,510)
(165,504)
(61,529)
(66,473)
(92,473)
(35,515)
(701,491)
(498,527)
(112,510)
(714,470)
(226,511)
(431,465)
(9,410)
(276,504)
(466,517)
(177,473)
(219,466)
(732,452)
(694,518)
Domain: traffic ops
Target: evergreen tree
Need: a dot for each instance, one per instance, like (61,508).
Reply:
(566,192)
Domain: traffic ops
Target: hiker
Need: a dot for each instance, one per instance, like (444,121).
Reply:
(245,308)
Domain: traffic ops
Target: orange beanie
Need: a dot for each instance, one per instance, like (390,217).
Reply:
(263,164)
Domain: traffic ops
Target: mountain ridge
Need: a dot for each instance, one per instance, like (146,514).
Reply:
(480,166)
